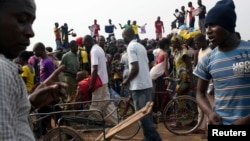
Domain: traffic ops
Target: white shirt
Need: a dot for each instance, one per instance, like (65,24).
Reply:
(124,60)
(137,53)
(97,57)
(91,29)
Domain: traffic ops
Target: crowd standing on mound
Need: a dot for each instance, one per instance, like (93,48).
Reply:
(217,67)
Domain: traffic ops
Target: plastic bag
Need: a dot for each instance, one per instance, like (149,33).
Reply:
(157,70)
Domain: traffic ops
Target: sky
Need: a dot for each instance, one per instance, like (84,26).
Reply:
(79,14)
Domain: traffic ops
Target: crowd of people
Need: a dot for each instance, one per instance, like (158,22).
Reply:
(88,67)
(183,19)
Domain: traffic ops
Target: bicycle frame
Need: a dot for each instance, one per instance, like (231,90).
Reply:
(184,102)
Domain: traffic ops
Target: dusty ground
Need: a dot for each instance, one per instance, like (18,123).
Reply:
(165,134)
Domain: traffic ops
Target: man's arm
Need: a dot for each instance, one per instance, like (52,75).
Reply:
(163,27)
(201,96)
(133,73)
(109,71)
(48,91)
(121,26)
(203,103)
(93,79)
(57,29)
(242,121)
(203,10)
(98,27)
(70,30)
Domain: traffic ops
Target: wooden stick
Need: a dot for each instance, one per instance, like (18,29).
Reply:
(127,122)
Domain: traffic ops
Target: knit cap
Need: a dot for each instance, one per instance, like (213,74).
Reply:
(222,14)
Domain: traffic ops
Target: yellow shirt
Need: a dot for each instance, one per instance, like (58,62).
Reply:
(135,28)
(84,55)
(116,76)
(29,75)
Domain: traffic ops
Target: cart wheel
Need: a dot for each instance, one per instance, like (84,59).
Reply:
(124,110)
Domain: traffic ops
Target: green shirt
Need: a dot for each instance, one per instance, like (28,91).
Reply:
(126,26)
(71,62)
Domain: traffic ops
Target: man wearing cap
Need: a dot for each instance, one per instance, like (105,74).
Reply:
(228,66)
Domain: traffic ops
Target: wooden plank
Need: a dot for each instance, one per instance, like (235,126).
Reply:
(127,122)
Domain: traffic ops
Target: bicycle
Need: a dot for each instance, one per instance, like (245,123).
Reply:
(180,114)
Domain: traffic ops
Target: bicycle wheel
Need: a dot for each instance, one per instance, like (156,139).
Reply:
(64,133)
(180,116)
(124,110)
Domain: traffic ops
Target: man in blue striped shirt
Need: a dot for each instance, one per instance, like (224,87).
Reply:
(228,65)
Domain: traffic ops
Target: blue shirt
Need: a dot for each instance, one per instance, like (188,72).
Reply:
(230,72)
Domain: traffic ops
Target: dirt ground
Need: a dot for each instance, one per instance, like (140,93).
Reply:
(165,134)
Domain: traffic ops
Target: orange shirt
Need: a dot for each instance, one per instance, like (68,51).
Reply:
(57,33)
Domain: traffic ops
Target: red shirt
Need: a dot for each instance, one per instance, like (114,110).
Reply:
(96,29)
(158,26)
(190,13)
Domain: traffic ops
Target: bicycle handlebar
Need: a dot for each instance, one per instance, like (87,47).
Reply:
(171,79)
